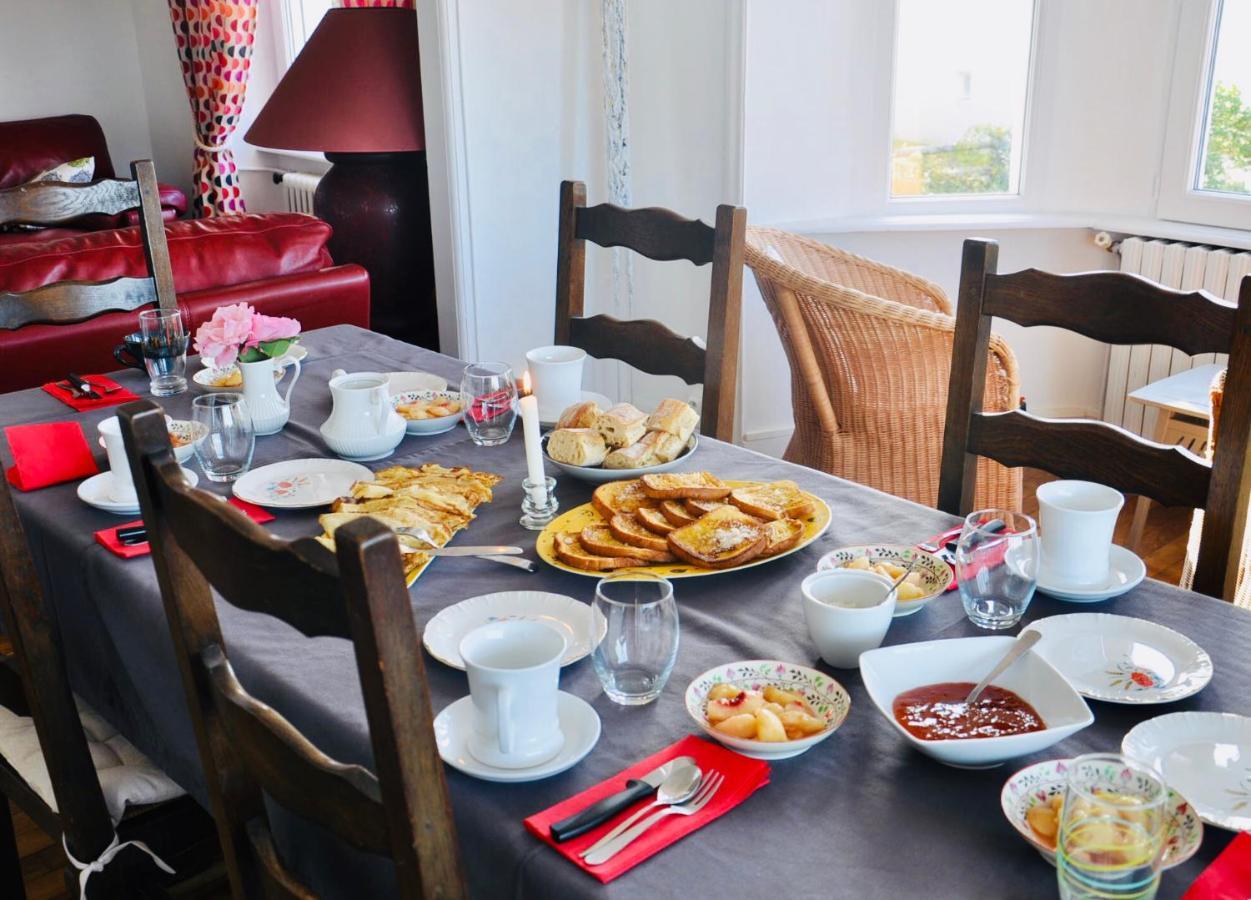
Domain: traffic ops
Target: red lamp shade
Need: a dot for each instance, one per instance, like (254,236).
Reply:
(354,88)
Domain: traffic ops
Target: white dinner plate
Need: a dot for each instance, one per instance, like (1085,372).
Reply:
(443,633)
(95,491)
(548,417)
(600,475)
(1205,756)
(1121,659)
(578,721)
(1126,571)
(402,382)
(300,483)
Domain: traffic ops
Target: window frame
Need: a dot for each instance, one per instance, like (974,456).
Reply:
(287,28)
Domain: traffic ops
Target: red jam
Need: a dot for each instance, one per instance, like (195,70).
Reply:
(937,712)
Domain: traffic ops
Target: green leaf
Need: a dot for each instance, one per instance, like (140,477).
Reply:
(275,349)
(251,354)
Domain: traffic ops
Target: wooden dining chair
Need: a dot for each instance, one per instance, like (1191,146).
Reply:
(648,345)
(66,302)
(401,808)
(1116,308)
(48,769)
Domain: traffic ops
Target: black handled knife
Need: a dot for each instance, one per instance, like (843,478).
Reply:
(83,386)
(603,810)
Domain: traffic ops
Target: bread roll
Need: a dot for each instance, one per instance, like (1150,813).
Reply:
(577,446)
(674,417)
(665,446)
(621,425)
(580,415)
(635,456)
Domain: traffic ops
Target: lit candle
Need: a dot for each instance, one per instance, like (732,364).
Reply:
(534,449)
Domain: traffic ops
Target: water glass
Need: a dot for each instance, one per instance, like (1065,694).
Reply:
(997,567)
(226,437)
(165,342)
(492,396)
(634,633)
(1112,829)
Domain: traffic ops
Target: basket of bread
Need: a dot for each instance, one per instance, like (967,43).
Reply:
(682,525)
(597,445)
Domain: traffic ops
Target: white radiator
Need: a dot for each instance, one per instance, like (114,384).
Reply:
(1175,265)
(297,191)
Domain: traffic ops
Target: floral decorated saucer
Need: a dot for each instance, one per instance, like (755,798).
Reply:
(300,483)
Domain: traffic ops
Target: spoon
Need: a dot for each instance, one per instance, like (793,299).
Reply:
(1024,641)
(680,786)
(906,572)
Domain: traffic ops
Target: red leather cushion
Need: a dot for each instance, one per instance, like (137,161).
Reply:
(30,146)
(39,236)
(204,253)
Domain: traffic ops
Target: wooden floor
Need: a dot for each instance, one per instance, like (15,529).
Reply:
(43,863)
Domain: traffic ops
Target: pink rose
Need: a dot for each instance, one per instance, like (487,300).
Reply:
(211,343)
(235,322)
(272,328)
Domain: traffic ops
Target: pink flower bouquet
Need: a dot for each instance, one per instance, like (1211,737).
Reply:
(240,333)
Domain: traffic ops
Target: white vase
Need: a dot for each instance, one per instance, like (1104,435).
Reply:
(270,409)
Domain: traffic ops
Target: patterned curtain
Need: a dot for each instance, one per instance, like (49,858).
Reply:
(215,40)
(400,4)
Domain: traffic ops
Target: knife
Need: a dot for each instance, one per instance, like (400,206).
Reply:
(603,810)
(83,386)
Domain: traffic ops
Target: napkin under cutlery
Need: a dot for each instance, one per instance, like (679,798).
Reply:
(107,537)
(115,393)
(743,777)
(48,453)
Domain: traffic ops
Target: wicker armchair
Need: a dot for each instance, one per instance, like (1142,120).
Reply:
(870,354)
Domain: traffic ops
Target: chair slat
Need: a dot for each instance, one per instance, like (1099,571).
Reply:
(654,232)
(66,302)
(50,203)
(645,344)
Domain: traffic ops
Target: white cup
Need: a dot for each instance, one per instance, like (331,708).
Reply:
(848,612)
(121,485)
(556,373)
(1076,520)
(514,668)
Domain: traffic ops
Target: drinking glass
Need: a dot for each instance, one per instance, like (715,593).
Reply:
(164,350)
(226,438)
(634,633)
(1112,829)
(491,393)
(997,567)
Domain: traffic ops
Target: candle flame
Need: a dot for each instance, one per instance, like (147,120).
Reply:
(526,390)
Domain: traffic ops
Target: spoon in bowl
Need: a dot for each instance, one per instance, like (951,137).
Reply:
(1024,641)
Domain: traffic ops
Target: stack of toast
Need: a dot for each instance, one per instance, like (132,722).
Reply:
(622,437)
(691,517)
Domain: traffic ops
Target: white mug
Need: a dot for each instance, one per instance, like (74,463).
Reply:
(1076,520)
(122,486)
(514,668)
(556,372)
(848,611)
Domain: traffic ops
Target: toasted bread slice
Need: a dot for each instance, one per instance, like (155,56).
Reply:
(776,500)
(722,539)
(627,528)
(676,513)
(570,551)
(654,520)
(685,486)
(620,496)
(699,508)
(599,540)
(783,534)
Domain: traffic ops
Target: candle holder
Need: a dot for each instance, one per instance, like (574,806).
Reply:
(538,503)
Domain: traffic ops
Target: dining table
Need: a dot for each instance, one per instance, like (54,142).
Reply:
(859,815)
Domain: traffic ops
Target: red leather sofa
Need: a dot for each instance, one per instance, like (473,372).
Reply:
(277,262)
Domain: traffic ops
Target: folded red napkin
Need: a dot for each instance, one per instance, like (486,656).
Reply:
(1229,876)
(743,777)
(107,537)
(48,454)
(66,396)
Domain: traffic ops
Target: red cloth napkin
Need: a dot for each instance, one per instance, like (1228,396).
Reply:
(83,404)
(48,454)
(107,537)
(1229,876)
(743,777)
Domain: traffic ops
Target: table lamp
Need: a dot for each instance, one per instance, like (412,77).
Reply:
(354,93)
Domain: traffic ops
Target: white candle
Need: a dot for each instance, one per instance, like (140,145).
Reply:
(534,450)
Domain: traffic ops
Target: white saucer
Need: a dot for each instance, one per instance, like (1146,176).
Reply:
(548,417)
(208,375)
(300,483)
(95,492)
(578,720)
(1125,572)
(443,633)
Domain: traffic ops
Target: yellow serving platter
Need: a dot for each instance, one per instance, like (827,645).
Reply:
(581,516)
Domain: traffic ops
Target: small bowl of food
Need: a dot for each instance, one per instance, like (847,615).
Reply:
(767,709)
(920,689)
(429,412)
(182,435)
(1033,801)
(929,578)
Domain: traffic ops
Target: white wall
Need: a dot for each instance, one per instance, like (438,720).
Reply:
(164,94)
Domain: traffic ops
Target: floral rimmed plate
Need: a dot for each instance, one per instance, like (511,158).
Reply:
(828,699)
(436,425)
(1121,659)
(1037,784)
(300,483)
(936,575)
(443,633)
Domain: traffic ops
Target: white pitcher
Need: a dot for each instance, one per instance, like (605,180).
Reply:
(270,409)
(363,423)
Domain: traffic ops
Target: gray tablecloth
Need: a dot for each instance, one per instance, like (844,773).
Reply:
(861,815)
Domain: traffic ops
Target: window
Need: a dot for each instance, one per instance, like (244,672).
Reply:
(299,20)
(960,95)
(1224,163)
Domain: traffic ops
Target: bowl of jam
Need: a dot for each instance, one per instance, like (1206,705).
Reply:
(920,689)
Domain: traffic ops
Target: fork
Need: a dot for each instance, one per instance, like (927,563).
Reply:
(711,784)
(496,554)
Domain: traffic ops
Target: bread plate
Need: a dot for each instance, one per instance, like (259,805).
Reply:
(600,475)
(581,516)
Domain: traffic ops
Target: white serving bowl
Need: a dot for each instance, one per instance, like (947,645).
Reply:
(936,575)
(430,426)
(889,671)
(827,697)
(186,430)
(600,475)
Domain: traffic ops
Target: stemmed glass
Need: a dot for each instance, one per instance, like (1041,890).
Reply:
(491,393)
(165,342)
(997,567)
(634,633)
(225,438)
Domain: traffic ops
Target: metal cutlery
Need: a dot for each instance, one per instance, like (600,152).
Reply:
(1024,641)
(636,789)
(494,553)
(708,788)
(681,785)
(83,387)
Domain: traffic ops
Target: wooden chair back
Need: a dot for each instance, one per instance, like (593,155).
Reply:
(66,302)
(1116,308)
(648,345)
(401,809)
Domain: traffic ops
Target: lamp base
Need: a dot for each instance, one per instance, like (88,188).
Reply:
(379,207)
